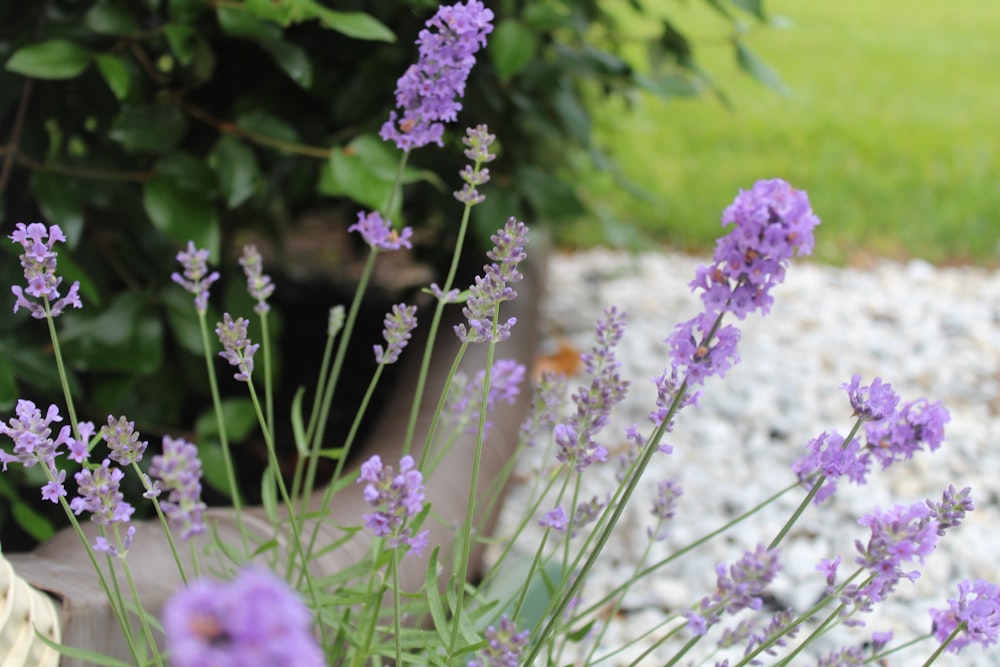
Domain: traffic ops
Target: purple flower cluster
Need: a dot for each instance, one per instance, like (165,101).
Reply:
(398,497)
(504,646)
(745,631)
(893,431)
(178,470)
(196,278)
(555,519)
(236,347)
(976,612)
(575,437)
(738,588)
(256,619)
(123,441)
(33,443)
(546,402)
(494,286)
(427,92)
(855,655)
(664,506)
(506,378)
(39,264)
(477,141)
(259,285)
(99,493)
(378,233)
(773,222)
(398,325)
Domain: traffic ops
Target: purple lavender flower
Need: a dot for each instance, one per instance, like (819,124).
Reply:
(664,506)
(123,441)
(975,614)
(398,325)
(465,398)
(30,433)
(79,450)
(259,285)
(478,141)
(904,432)
(236,347)
(555,519)
(493,287)
(773,222)
(872,402)
(504,646)
(575,437)
(399,497)
(738,588)
(777,626)
(196,278)
(950,512)
(39,264)
(98,493)
(256,619)
(586,511)
(427,91)
(378,233)
(898,535)
(667,386)
(851,656)
(546,402)
(178,471)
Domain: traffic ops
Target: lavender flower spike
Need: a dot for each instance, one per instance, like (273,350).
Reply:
(378,233)
(738,588)
(478,141)
(196,278)
(255,619)
(504,646)
(123,441)
(398,325)
(259,285)
(977,610)
(178,471)
(427,91)
(398,497)
(39,264)
(493,287)
(236,347)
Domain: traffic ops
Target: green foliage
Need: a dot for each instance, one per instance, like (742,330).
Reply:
(137,126)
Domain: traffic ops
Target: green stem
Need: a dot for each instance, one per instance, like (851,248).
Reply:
(163,521)
(63,377)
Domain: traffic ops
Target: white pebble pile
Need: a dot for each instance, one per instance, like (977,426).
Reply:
(930,332)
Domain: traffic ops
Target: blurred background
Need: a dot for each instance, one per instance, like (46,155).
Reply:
(138,125)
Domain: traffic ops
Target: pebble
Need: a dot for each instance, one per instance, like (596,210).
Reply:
(930,332)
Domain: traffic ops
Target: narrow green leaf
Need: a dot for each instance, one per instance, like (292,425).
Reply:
(434,603)
(236,170)
(269,494)
(32,522)
(758,69)
(512,46)
(298,425)
(115,73)
(54,59)
(83,655)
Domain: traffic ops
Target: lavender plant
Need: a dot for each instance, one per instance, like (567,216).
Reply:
(274,604)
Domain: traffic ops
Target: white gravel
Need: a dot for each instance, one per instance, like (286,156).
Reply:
(930,332)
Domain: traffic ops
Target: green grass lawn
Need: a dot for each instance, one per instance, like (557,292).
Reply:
(891,122)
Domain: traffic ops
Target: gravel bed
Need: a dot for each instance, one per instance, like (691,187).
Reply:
(930,332)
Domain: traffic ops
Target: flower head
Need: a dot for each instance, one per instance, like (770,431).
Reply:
(478,141)
(398,325)
(465,397)
(738,587)
(236,347)
(427,92)
(39,263)
(398,497)
(494,287)
(975,615)
(196,278)
(378,233)
(99,494)
(123,441)
(259,285)
(256,619)
(504,646)
(178,470)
